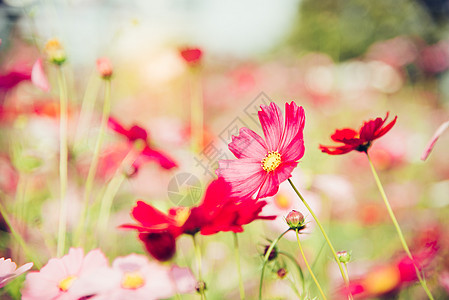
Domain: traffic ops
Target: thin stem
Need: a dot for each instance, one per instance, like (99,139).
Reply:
(237,258)
(19,238)
(265,260)
(196,110)
(324,234)
(301,274)
(198,261)
(398,228)
(63,157)
(112,189)
(94,163)
(308,267)
(346,269)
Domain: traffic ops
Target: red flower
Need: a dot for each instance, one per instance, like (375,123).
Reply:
(361,140)
(218,212)
(137,134)
(191,56)
(14,77)
(264,164)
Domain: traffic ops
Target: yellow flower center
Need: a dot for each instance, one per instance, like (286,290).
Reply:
(271,161)
(66,283)
(132,280)
(182,214)
(282,201)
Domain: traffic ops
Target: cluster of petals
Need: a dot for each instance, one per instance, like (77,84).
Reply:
(75,276)
(359,140)
(138,137)
(9,270)
(217,212)
(262,165)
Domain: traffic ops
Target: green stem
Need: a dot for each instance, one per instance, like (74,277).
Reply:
(198,261)
(308,266)
(301,274)
(345,279)
(265,260)
(346,269)
(398,228)
(19,238)
(63,157)
(237,258)
(94,163)
(196,110)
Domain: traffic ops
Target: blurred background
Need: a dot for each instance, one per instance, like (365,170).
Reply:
(344,61)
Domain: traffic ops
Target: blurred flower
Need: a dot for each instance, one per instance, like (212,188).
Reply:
(9,176)
(261,166)
(217,212)
(14,76)
(434,58)
(104,67)
(138,136)
(434,139)
(361,140)
(38,77)
(55,279)
(9,271)
(192,56)
(55,52)
(344,256)
(390,278)
(134,277)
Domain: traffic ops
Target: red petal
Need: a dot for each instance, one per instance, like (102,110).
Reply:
(272,123)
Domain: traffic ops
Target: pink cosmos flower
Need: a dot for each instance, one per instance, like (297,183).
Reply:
(55,279)
(263,164)
(9,271)
(134,277)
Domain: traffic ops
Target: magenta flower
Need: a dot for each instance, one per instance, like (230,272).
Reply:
(9,271)
(55,279)
(264,164)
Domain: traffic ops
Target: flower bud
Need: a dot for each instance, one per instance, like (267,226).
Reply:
(273,254)
(343,256)
(282,273)
(104,67)
(200,287)
(295,220)
(191,56)
(55,52)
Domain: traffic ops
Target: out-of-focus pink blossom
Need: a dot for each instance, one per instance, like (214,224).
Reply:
(396,52)
(38,77)
(9,270)
(104,67)
(191,55)
(55,279)
(434,139)
(434,58)
(134,277)
(14,76)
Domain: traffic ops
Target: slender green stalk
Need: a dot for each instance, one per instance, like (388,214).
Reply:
(198,261)
(63,157)
(301,274)
(308,266)
(265,260)
(112,189)
(196,110)
(94,163)
(237,258)
(19,238)
(398,228)
(324,234)
(346,269)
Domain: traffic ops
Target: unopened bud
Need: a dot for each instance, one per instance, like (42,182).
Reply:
(295,220)
(200,287)
(343,256)
(104,67)
(273,254)
(282,273)
(55,52)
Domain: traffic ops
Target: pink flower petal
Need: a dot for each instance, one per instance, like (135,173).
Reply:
(272,123)
(245,175)
(248,144)
(434,139)
(269,186)
(294,126)
(184,280)
(38,77)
